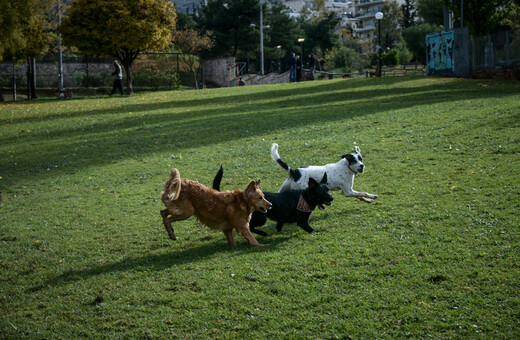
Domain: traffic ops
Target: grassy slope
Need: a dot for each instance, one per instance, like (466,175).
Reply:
(436,255)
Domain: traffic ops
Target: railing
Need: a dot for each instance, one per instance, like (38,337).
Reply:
(499,49)
(367,2)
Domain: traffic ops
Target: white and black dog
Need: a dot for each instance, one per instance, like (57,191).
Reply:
(340,175)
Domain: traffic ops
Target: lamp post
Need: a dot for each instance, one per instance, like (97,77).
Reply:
(261,38)
(301,40)
(279,64)
(379,17)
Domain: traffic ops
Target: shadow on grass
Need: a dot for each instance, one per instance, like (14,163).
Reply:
(163,261)
(153,127)
(213,99)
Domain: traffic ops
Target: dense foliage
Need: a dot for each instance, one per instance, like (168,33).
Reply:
(122,28)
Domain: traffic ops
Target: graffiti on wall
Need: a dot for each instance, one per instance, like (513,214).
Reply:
(439,47)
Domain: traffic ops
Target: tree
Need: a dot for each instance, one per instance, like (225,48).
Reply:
(415,37)
(320,32)
(192,42)
(185,21)
(391,58)
(405,55)
(230,23)
(431,11)
(119,28)
(483,16)
(343,57)
(284,31)
(391,24)
(22,35)
(409,13)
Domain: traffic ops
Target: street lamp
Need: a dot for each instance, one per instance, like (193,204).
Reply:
(279,64)
(261,38)
(379,17)
(301,40)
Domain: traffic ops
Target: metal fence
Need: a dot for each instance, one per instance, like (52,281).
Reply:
(93,75)
(499,49)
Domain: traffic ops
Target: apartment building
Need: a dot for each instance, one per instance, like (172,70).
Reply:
(358,14)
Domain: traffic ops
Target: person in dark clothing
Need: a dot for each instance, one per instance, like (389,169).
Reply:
(118,78)
(312,65)
(292,68)
(298,68)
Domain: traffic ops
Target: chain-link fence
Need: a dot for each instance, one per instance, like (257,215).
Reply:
(83,74)
(499,49)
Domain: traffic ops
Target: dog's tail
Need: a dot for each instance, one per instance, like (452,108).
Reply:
(218,179)
(278,160)
(276,157)
(173,185)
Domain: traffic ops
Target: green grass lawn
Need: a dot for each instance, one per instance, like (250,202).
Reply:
(83,253)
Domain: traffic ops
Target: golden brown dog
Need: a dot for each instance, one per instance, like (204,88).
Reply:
(223,211)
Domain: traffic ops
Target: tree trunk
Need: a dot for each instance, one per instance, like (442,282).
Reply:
(31,79)
(127,57)
(195,79)
(129,86)
(1,96)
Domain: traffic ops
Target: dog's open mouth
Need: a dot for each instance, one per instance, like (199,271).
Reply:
(321,207)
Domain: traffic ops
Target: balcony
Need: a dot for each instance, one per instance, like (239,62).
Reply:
(364,29)
(368,3)
(338,4)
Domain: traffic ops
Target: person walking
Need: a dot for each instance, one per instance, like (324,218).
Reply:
(312,65)
(292,68)
(118,78)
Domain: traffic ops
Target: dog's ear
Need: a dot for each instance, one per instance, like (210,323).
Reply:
(324,179)
(348,156)
(251,188)
(312,182)
(357,149)
(258,182)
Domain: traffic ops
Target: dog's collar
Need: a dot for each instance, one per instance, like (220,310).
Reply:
(348,166)
(303,206)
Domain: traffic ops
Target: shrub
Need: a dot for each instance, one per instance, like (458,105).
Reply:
(405,55)
(391,58)
(343,57)
(155,78)
(415,37)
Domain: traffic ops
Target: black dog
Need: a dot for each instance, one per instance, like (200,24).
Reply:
(289,206)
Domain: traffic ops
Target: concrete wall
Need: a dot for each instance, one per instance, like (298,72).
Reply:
(448,53)
(219,72)
(271,78)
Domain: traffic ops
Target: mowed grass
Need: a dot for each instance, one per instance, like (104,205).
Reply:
(83,253)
